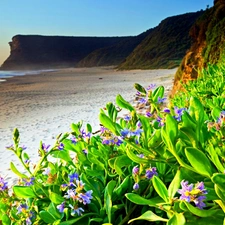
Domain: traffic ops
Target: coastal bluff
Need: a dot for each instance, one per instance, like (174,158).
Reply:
(37,51)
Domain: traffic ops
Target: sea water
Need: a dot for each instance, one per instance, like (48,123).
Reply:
(5,74)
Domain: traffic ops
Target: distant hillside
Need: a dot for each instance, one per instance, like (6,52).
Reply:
(165,46)
(208,46)
(36,51)
(113,55)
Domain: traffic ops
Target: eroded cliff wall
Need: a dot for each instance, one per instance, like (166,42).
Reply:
(208,34)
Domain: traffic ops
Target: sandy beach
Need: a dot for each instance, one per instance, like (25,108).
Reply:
(43,106)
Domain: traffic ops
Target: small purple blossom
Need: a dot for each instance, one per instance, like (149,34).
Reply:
(135,170)
(139,124)
(151,172)
(141,156)
(137,132)
(179,113)
(136,186)
(22,208)
(85,198)
(73,177)
(138,93)
(117,141)
(161,121)
(3,184)
(85,151)
(73,139)
(150,87)
(27,161)
(148,114)
(125,132)
(166,110)
(61,207)
(142,100)
(61,146)
(161,100)
(63,187)
(76,210)
(28,181)
(85,134)
(45,147)
(193,193)
(71,194)
(127,118)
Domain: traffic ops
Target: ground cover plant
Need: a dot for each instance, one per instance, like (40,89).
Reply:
(162,165)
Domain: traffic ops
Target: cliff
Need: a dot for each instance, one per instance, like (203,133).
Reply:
(165,46)
(208,34)
(113,55)
(36,51)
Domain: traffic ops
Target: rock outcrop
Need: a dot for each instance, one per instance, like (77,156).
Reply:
(36,51)
(208,34)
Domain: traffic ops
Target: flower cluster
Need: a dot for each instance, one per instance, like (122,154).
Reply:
(149,173)
(193,193)
(219,123)
(3,184)
(75,195)
(26,215)
(109,139)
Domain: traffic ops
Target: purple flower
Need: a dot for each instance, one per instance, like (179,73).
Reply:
(127,118)
(138,93)
(148,114)
(71,194)
(85,151)
(22,208)
(166,110)
(136,186)
(142,100)
(73,176)
(3,184)
(150,87)
(76,210)
(27,161)
(63,187)
(28,181)
(117,141)
(161,100)
(135,170)
(85,198)
(85,134)
(141,156)
(106,142)
(125,132)
(73,139)
(61,207)
(161,121)
(151,172)
(139,124)
(45,147)
(191,193)
(61,146)
(137,132)
(179,113)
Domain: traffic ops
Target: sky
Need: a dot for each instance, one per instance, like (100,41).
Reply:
(86,17)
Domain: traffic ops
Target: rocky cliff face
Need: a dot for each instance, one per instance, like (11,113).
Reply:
(208,34)
(36,51)
(165,45)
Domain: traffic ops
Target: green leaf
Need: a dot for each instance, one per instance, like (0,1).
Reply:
(139,88)
(6,220)
(123,103)
(171,128)
(16,171)
(149,216)
(135,158)
(47,217)
(61,154)
(158,92)
(91,157)
(219,180)
(120,162)
(82,220)
(107,122)
(175,184)
(177,219)
(160,188)
(199,161)
(108,198)
(121,189)
(200,212)
(54,211)
(196,110)
(216,113)
(56,198)
(137,199)
(219,193)
(24,191)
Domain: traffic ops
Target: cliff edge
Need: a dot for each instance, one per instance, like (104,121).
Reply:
(208,34)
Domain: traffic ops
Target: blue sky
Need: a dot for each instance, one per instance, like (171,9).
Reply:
(86,17)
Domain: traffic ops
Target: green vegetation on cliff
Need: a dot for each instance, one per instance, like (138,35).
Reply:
(208,46)
(165,46)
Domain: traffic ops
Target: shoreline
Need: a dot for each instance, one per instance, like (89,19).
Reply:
(43,105)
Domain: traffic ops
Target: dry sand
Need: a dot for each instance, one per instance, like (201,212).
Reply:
(42,106)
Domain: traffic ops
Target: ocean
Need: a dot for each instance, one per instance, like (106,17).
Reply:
(8,74)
